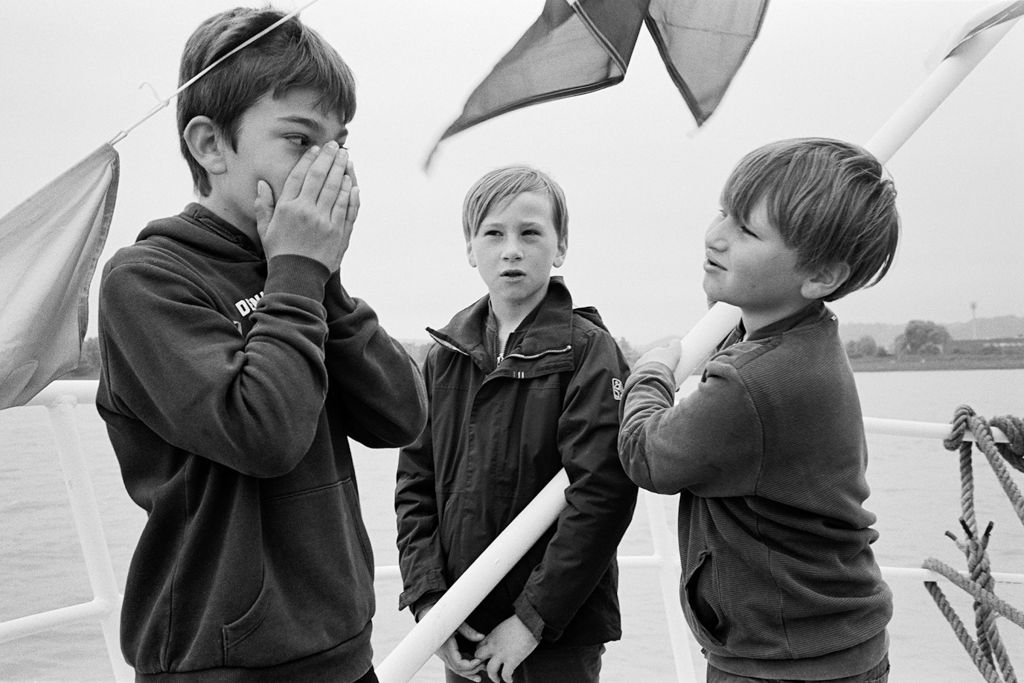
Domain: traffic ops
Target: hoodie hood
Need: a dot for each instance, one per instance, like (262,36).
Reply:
(203,231)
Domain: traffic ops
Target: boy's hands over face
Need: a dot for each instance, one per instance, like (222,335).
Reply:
(316,211)
(505,648)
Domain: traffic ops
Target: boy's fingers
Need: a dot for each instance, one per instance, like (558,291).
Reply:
(333,186)
(316,175)
(346,207)
(293,183)
(264,206)
(467,631)
(350,170)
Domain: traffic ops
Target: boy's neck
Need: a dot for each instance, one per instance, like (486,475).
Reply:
(225,214)
(757,320)
(510,315)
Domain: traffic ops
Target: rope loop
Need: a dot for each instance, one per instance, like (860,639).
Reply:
(960,426)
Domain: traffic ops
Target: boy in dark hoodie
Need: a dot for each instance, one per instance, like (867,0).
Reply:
(235,369)
(521,385)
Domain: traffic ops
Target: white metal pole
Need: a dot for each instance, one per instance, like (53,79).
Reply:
(925,430)
(930,94)
(85,511)
(482,576)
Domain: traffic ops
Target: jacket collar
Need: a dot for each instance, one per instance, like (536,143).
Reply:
(811,314)
(550,329)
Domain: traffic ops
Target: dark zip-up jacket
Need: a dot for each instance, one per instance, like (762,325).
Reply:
(230,386)
(498,431)
(768,455)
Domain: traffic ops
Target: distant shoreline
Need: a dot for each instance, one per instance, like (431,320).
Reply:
(937,362)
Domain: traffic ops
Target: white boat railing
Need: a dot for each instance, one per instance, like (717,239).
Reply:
(61,397)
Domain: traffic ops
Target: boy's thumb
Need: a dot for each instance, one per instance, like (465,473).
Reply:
(264,205)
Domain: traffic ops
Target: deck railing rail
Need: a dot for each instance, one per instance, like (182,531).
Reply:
(61,397)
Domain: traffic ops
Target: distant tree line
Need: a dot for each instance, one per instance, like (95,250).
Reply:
(920,337)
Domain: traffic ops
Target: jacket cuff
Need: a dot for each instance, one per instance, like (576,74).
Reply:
(531,619)
(294,274)
(432,583)
(424,603)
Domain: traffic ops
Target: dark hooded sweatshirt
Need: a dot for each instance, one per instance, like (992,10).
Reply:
(230,386)
(499,429)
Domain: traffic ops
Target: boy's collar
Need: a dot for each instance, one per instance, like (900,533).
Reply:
(468,327)
(812,312)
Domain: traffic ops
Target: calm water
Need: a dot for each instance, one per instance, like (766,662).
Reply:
(916,494)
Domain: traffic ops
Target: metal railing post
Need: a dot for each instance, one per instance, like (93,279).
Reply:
(85,512)
(666,549)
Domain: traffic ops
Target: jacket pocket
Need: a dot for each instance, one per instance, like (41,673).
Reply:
(317,589)
(702,601)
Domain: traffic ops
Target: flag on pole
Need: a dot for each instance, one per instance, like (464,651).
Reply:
(49,247)
(578,47)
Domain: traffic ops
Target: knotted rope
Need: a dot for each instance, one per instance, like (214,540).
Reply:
(988,651)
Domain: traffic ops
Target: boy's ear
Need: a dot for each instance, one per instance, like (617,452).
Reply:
(469,254)
(825,280)
(205,144)
(563,247)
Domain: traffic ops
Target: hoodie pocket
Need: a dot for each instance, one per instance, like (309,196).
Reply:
(703,601)
(317,589)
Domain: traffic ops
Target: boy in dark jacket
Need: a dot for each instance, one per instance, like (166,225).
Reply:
(235,369)
(768,454)
(521,385)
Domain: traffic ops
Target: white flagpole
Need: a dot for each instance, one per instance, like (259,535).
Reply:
(459,601)
(482,576)
(930,94)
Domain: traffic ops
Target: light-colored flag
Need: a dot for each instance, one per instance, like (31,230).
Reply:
(582,46)
(49,247)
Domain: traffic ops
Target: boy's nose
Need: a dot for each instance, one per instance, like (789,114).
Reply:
(513,250)
(714,238)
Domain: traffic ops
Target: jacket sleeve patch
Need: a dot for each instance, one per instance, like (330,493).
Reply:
(616,388)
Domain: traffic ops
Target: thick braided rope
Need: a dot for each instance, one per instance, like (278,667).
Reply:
(1013,427)
(981,572)
(983,664)
(989,648)
(991,599)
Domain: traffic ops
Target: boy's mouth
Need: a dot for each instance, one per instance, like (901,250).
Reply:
(710,263)
(512,273)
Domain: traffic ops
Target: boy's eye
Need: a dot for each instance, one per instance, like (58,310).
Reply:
(300,140)
(747,231)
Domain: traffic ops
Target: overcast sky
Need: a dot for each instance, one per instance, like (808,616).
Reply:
(641,180)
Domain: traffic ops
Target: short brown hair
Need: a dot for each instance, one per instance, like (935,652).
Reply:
(830,200)
(290,56)
(507,182)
